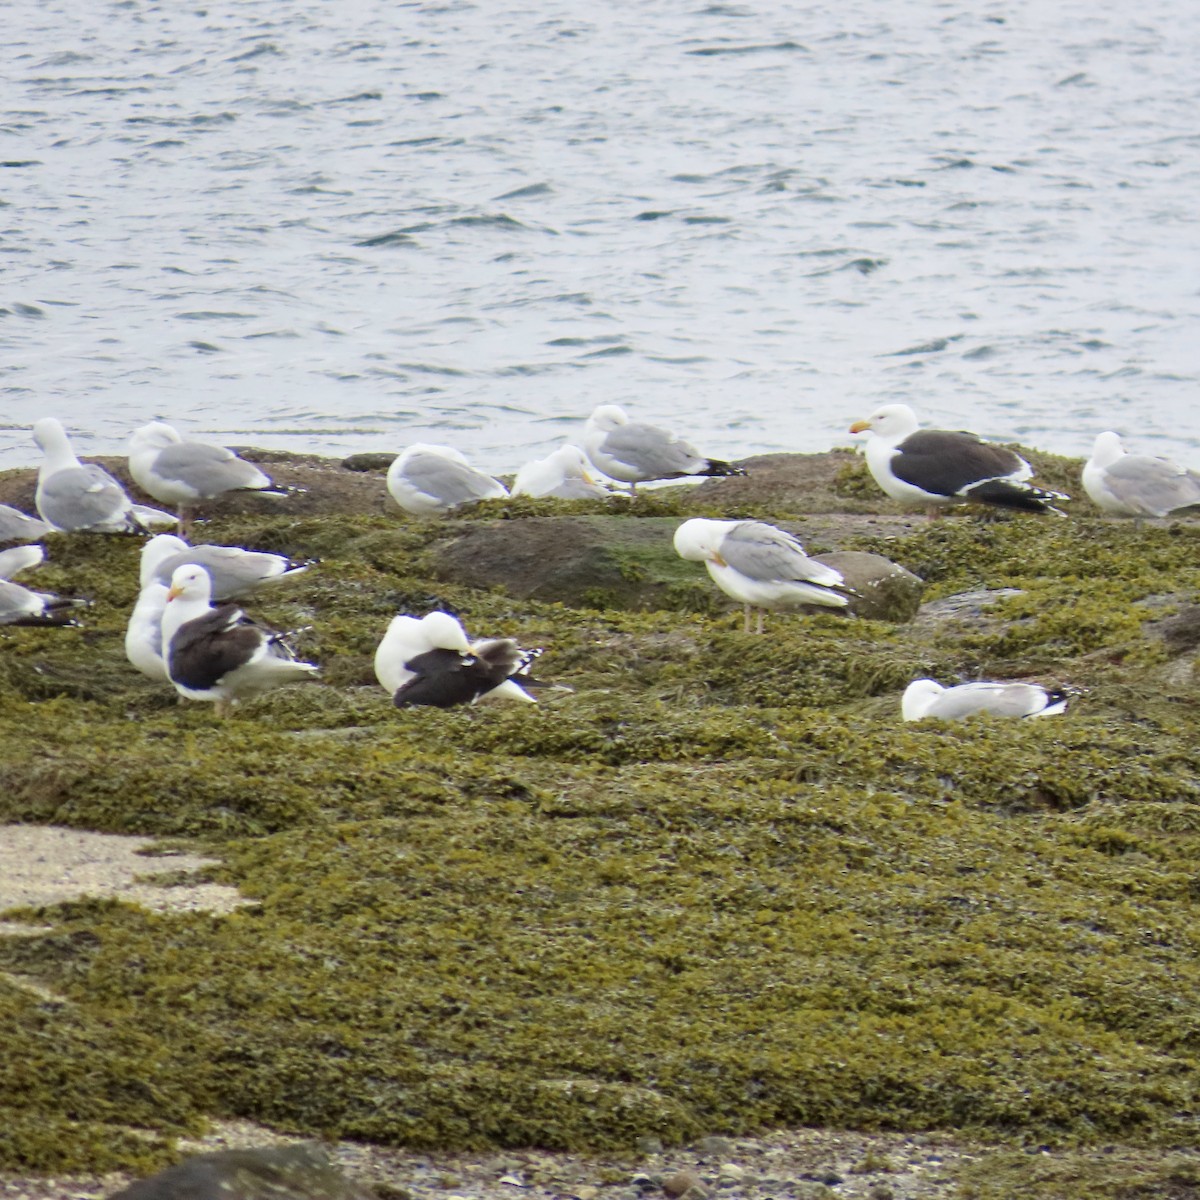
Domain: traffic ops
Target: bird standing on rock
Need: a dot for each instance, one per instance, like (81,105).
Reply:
(760,565)
(936,467)
(182,473)
(1137,485)
(634,452)
(73,496)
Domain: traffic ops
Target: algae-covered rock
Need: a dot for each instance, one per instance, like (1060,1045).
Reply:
(300,1172)
(883,590)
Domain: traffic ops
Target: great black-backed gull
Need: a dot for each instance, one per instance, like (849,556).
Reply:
(430,661)
(75,496)
(182,473)
(634,452)
(427,479)
(759,565)
(236,573)
(1137,485)
(220,654)
(924,698)
(562,475)
(940,466)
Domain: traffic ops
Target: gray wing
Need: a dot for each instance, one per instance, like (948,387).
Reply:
(1154,485)
(574,488)
(448,481)
(15,526)
(233,573)
(82,498)
(769,555)
(1004,699)
(652,451)
(207,470)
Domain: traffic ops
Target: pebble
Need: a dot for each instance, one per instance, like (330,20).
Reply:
(716,1145)
(586,1192)
(682,1183)
(732,1172)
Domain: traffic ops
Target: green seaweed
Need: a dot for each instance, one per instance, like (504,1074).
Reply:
(717,886)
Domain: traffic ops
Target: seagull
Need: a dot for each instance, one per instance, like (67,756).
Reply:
(562,475)
(144,634)
(937,466)
(235,572)
(75,496)
(181,473)
(1136,485)
(759,565)
(18,559)
(925,698)
(20,606)
(220,654)
(16,526)
(429,479)
(429,661)
(634,453)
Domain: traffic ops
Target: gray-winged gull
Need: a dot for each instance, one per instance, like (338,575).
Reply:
(182,473)
(16,526)
(563,475)
(75,496)
(935,467)
(634,452)
(427,479)
(759,565)
(220,654)
(430,661)
(235,572)
(1137,485)
(19,558)
(925,698)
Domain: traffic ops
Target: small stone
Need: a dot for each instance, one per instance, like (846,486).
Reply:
(715,1145)
(731,1171)
(586,1192)
(649,1145)
(881,1191)
(681,1182)
(511,1180)
(698,1192)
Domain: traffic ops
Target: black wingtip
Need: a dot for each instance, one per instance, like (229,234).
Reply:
(714,466)
(1006,494)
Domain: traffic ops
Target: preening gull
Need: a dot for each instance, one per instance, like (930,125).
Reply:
(925,698)
(75,496)
(235,572)
(634,452)
(429,479)
(220,654)
(16,526)
(759,565)
(1137,485)
(563,475)
(939,466)
(429,661)
(182,473)
(144,635)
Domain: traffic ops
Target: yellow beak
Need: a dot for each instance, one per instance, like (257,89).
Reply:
(174,593)
(860,426)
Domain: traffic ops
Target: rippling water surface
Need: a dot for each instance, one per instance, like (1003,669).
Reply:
(351,226)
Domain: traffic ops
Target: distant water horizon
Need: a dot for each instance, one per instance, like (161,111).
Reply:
(346,229)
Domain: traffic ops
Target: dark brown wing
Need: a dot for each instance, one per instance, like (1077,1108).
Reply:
(946,463)
(205,650)
(445,678)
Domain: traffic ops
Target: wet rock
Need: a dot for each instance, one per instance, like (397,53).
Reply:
(885,590)
(797,482)
(683,1182)
(969,606)
(718,1146)
(1180,632)
(300,1172)
(368,461)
